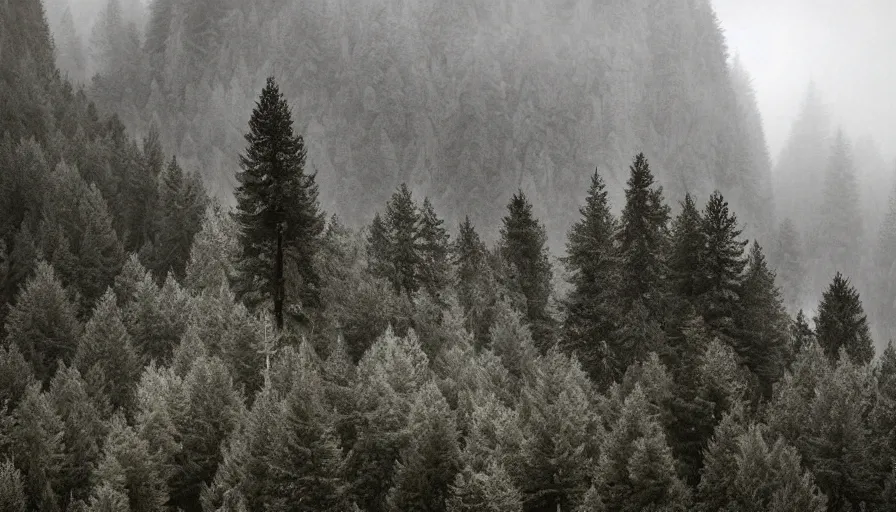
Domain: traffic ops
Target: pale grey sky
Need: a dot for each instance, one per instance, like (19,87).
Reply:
(847,46)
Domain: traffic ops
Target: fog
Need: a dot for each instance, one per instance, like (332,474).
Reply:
(846,48)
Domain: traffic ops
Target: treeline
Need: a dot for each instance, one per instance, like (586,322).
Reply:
(420,371)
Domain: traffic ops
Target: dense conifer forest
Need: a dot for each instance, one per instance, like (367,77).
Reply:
(447,347)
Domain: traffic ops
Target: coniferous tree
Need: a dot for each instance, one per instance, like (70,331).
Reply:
(277,209)
(16,375)
(128,467)
(788,260)
(43,323)
(106,356)
(839,235)
(885,267)
(213,253)
(428,465)
(402,218)
(83,431)
(106,498)
(379,261)
(433,245)
(720,300)
(841,323)
(474,280)
(12,492)
(642,240)
(491,490)
(763,343)
(592,265)
(523,248)
(688,246)
(636,469)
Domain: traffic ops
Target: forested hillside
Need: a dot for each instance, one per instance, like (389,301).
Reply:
(162,352)
(463,101)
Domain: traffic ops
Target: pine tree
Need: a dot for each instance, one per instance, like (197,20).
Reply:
(429,463)
(43,323)
(214,251)
(560,434)
(179,217)
(433,246)
(885,266)
(83,430)
(107,498)
(841,322)
(106,356)
(402,218)
(379,261)
(839,235)
(34,439)
(720,278)
(277,209)
(717,479)
(802,336)
(473,280)
(491,490)
(592,266)
(129,280)
(209,415)
(128,467)
(636,470)
(511,341)
(788,260)
(688,246)
(523,248)
(12,492)
(763,344)
(641,240)
(16,376)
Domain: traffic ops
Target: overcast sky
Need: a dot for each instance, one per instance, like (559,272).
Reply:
(847,46)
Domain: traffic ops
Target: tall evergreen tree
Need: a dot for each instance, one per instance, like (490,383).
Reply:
(723,263)
(788,260)
(688,246)
(43,323)
(277,208)
(433,245)
(379,247)
(841,323)
(402,218)
(213,253)
(591,262)
(763,341)
(523,248)
(473,280)
(12,492)
(642,241)
(838,237)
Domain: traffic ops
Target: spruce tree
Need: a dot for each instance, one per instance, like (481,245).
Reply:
(16,375)
(592,265)
(491,490)
(722,265)
(885,268)
(83,430)
(523,247)
(128,467)
(277,209)
(763,341)
(636,469)
(431,459)
(841,323)
(473,280)
(642,240)
(12,492)
(43,323)
(688,245)
(379,247)
(106,498)
(787,258)
(433,245)
(402,218)
(213,253)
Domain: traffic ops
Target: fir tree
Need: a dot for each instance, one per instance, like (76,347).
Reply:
(636,469)
(128,467)
(379,260)
(433,246)
(16,376)
(788,260)
(885,266)
(277,209)
(213,253)
(491,490)
(473,280)
(106,498)
(523,248)
(641,240)
(402,218)
(720,278)
(43,324)
(132,275)
(12,492)
(83,430)
(592,266)
(763,344)
(428,465)
(106,355)
(841,322)
(688,246)
(801,335)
